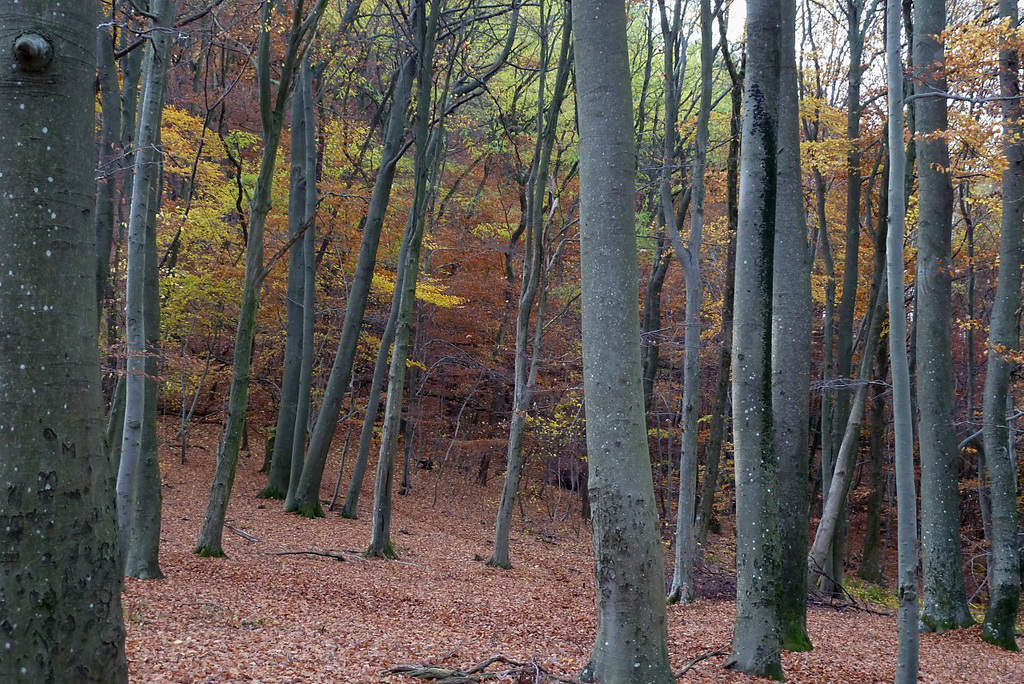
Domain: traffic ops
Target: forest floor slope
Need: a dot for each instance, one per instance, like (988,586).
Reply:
(254,617)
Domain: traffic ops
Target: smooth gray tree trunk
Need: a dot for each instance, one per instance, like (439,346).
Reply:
(903,422)
(791,347)
(944,601)
(999,625)
(426,145)
(682,588)
(525,360)
(281,459)
(60,582)
(756,637)
(143,552)
(306,203)
(631,641)
(109,162)
(272,109)
(144,193)
(308,493)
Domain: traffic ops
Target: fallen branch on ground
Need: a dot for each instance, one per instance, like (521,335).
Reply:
(243,535)
(312,552)
(699,659)
(477,673)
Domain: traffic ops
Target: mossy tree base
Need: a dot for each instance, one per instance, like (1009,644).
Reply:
(209,552)
(271,493)
(310,510)
(388,552)
(998,628)
(949,620)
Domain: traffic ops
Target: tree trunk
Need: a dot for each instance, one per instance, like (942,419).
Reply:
(682,587)
(906,495)
(143,552)
(944,602)
(631,642)
(712,457)
(145,191)
(280,480)
(755,646)
(308,201)
(380,370)
(60,583)
(791,347)
(1004,340)
(109,160)
(272,110)
(308,493)
(525,362)
(426,34)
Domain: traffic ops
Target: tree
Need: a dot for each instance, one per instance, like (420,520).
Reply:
(533,277)
(755,647)
(944,601)
(60,584)
(906,493)
(136,497)
(272,111)
(1004,341)
(682,588)
(631,643)
(791,347)
(427,146)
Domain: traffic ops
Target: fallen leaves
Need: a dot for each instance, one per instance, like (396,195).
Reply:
(256,617)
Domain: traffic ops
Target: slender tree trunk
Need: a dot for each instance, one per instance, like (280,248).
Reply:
(827,533)
(308,493)
(280,481)
(906,494)
(944,601)
(144,192)
(756,637)
(791,347)
(62,620)
(1004,340)
(426,34)
(272,109)
(304,94)
(109,160)
(380,370)
(682,587)
(525,362)
(712,458)
(143,552)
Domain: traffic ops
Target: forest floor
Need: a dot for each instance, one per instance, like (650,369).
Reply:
(257,617)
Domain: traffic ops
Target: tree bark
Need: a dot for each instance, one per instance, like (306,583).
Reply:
(906,494)
(280,480)
(425,28)
(755,647)
(631,642)
(944,601)
(525,361)
(145,192)
(272,109)
(60,583)
(791,347)
(682,587)
(1004,340)
(307,202)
